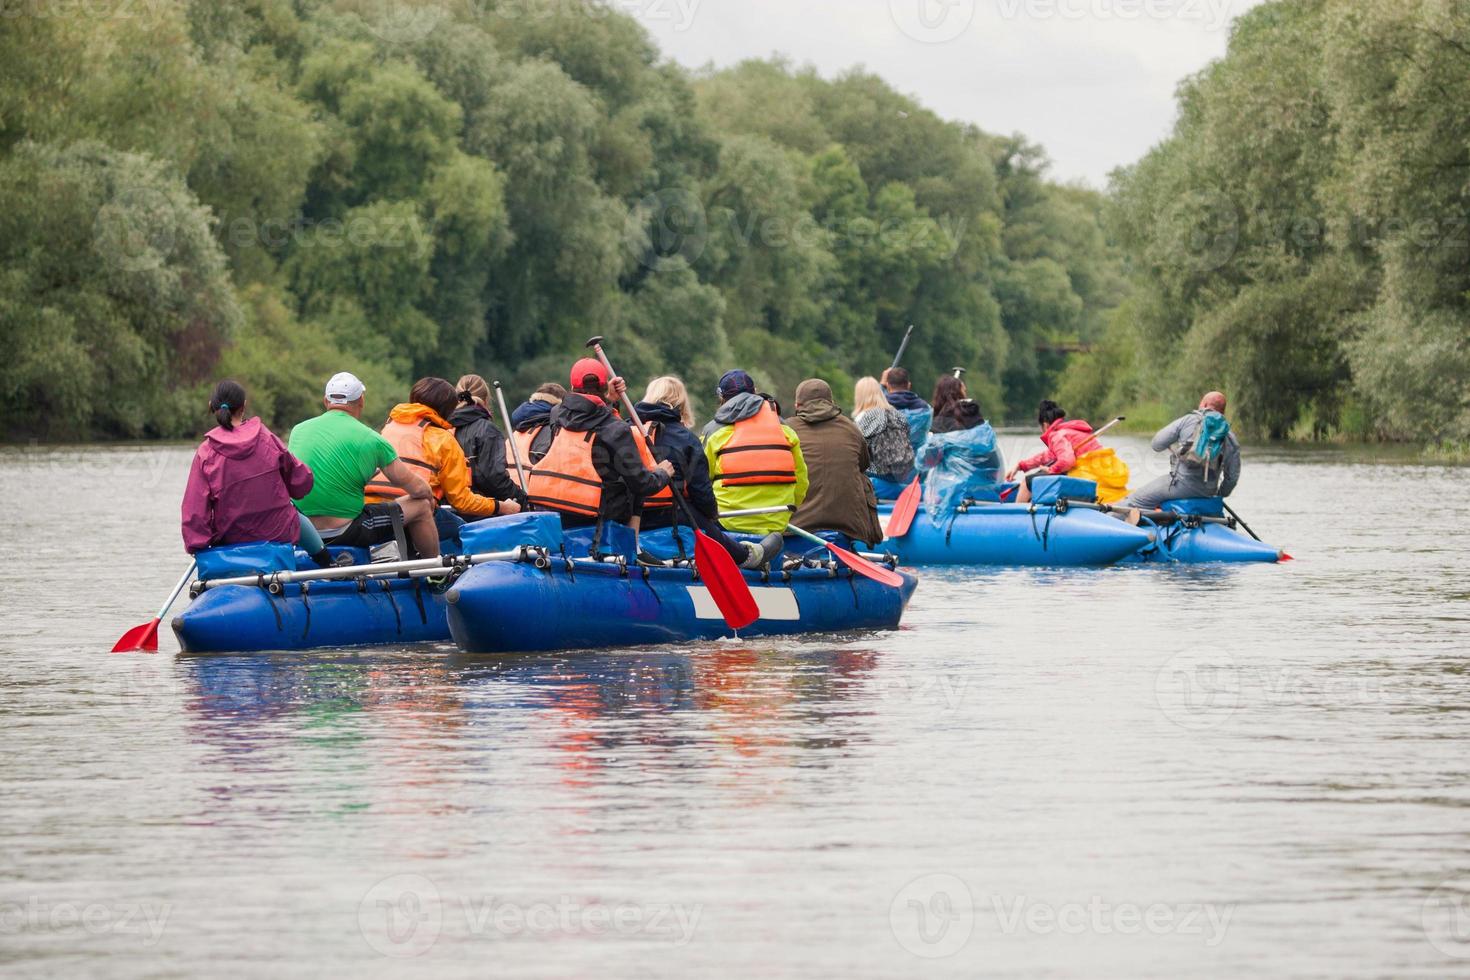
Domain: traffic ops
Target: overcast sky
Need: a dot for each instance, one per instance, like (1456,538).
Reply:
(1091,80)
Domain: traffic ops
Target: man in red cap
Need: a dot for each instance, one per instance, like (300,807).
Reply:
(593,470)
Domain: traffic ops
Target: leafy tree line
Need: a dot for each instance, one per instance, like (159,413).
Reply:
(1301,240)
(275,190)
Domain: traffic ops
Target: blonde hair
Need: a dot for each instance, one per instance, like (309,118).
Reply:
(474,386)
(867,395)
(671,392)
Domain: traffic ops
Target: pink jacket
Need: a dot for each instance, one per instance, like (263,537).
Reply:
(1065,440)
(241,487)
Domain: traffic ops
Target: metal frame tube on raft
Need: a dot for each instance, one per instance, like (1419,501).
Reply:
(596,605)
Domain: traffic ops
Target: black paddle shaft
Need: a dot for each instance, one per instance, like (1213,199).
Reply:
(903,347)
(1231,511)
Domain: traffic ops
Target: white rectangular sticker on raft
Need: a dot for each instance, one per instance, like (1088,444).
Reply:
(773,603)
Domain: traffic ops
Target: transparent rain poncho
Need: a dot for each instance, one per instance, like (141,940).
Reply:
(959,465)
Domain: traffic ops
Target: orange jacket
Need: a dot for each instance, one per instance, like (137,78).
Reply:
(426,443)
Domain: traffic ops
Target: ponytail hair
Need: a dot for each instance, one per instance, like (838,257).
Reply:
(228,398)
(473,390)
(1049,412)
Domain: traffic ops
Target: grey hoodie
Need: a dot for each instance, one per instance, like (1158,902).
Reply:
(738,409)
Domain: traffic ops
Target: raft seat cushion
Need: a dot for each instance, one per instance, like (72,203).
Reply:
(1047,490)
(536,529)
(1202,506)
(235,560)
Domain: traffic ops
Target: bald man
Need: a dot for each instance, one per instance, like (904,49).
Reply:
(1192,474)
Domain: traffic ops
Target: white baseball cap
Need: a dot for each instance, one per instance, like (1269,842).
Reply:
(344,389)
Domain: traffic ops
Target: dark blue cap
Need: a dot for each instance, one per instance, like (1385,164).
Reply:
(735,382)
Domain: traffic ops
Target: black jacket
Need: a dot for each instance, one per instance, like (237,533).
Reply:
(625,482)
(484,447)
(674,442)
(534,415)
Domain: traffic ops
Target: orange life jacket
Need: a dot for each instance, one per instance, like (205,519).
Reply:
(566,480)
(408,441)
(665,497)
(522,441)
(757,453)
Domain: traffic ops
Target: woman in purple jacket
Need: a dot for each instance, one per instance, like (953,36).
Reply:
(242,483)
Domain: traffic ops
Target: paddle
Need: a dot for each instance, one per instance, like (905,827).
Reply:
(145,637)
(855,562)
(904,510)
(721,575)
(723,578)
(510,435)
(759,511)
(959,373)
(903,347)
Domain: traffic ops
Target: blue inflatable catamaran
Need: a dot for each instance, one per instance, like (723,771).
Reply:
(522,584)
(1065,526)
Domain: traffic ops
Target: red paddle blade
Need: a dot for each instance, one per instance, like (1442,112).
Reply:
(725,583)
(143,637)
(902,517)
(866,568)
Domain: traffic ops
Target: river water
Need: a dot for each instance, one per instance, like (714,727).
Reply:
(1134,772)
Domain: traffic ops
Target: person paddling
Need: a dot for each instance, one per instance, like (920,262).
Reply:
(665,410)
(841,498)
(423,438)
(1204,459)
(755,460)
(242,482)
(344,454)
(960,458)
(484,445)
(593,470)
(1071,450)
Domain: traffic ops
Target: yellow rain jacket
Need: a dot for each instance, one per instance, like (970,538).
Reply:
(738,411)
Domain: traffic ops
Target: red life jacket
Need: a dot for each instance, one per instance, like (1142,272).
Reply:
(757,453)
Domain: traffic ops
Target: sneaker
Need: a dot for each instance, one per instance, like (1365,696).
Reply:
(344,560)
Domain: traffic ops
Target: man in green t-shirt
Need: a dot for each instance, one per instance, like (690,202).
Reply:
(344,454)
